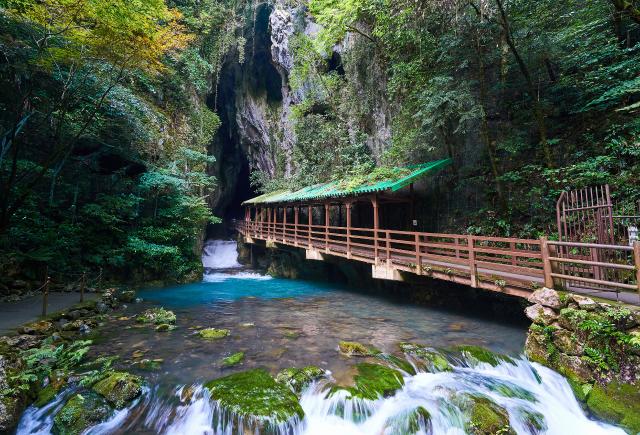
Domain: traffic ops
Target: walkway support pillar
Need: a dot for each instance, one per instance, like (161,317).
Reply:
(348,229)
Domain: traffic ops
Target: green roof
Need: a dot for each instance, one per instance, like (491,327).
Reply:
(396,179)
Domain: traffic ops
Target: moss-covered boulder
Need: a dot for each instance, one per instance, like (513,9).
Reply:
(165,327)
(484,416)
(213,333)
(46,394)
(157,316)
(352,348)
(417,420)
(617,403)
(427,358)
(372,382)
(81,412)
(255,396)
(476,354)
(233,359)
(534,421)
(119,388)
(299,379)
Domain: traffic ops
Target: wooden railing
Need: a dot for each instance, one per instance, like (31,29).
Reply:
(508,265)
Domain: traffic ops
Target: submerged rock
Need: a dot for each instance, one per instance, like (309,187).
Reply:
(352,348)
(417,420)
(81,412)
(485,416)
(254,394)
(299,379)
(119,388)
(429,359)
(213,333)
(373,381)
(157,316)
(233,359)
(165,327)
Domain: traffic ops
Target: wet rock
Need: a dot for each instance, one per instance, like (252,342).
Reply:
(213,333)
(74,314)
(149,364)
(81,412)
(546,297)
(352,348)
(299,379)
(485,416)
(22,342)
(101,308)
(165,327)
(47,394)
(157,316)
(84,329)
(374,381)
(540,314)
(10,406)
(617,403)
(42,327)
(126,296)
(536,348)
(255,396)
(430,359)
(233,359)
(575,368)
(477,354)
(119,388)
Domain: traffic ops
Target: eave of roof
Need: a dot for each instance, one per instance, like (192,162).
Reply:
(333,189)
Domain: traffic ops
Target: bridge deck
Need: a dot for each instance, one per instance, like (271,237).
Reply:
(506,265)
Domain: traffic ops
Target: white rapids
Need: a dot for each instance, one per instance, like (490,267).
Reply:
(220,254)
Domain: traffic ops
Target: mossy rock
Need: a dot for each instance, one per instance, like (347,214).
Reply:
(158,316)
(81,412)
(372,382)
(430,359)
(485,416)
(477,354)
(254,394)
(352,348)
(397,362)
(233,359)
(149,365)
(213,333)
(165,327)
(299,379)
(534,421)
(119,388)
(617,403)
(414,421)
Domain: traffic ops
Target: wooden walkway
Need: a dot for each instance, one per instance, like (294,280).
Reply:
(505,265)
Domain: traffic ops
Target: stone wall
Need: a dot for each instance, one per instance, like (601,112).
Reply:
(596,346)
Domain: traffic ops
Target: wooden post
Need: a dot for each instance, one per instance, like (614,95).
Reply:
(296,219)
(45,296)
(473,267)
(374,203)
(388,247)
(268,222)
(310,223)
(418,258)
(83,284)
(326,226)
(348,229)
(284,224)
(546,263)
(636,261)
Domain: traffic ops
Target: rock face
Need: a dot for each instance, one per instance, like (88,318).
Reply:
(596,346)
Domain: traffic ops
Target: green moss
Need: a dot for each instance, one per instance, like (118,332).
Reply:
(476,354)
(165,327)
(233,359)
(46,395)
(534,421)
(213,333)
(397,362)
(374,381)
(352,348)
(79,413)
(430,359)
(486,417)
(413,421)
(157,316)
(617,403)
(255,394)
(299,379)
(119,388)
(507,389)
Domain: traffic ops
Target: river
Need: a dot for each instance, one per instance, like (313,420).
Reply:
(282,323)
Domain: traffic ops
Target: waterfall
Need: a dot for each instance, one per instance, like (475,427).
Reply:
(220,254)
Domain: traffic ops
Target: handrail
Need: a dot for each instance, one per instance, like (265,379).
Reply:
(517,261)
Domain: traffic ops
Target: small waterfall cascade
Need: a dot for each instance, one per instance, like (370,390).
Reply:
(220,254)
(537,400)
